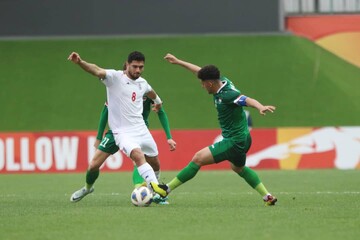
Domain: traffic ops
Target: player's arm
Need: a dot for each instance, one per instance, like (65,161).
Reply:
(246,101)
(156,99)
(165,124)
(88,67)
(189,66)
(102,125)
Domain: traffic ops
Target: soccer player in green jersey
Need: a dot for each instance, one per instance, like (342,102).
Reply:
(236,142)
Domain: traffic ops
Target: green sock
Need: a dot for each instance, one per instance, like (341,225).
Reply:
(253,180)
(174,183)
(261,190)
(91,177)
(137,179)
(184,175)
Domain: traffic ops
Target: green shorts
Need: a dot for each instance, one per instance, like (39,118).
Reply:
(108,144)
(233,151)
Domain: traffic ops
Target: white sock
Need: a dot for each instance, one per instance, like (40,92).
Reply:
(147,173)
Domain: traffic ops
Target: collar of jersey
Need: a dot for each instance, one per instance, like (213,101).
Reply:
(224,83)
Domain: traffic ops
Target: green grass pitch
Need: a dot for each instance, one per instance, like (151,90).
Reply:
(316,204)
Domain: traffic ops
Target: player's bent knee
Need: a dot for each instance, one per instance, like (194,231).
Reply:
(236,169)
(137,156)
(99,158)
(203,157)
(93,166)
(198,159)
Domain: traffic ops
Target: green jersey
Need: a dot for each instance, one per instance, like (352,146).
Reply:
(231,116)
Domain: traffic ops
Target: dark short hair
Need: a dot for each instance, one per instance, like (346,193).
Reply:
(209,72)
(136,56)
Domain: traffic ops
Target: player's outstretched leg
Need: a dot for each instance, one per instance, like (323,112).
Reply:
(183,176)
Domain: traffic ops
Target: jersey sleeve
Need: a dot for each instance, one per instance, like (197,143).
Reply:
(164,122)
(148,88)
(110,77)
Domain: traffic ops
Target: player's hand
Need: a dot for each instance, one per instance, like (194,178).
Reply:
(172,144)
(74,57)
(156,107)
(266,109)
(171,58)
(97,143)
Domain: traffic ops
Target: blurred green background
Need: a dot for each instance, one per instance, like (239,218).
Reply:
(40,90)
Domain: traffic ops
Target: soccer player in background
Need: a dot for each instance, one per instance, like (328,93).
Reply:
(236,142)
(125,91)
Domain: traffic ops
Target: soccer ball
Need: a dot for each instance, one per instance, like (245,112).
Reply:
(141,197)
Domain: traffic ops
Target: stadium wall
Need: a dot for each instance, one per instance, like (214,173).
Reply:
(113,17)
(280,148)
(339,34)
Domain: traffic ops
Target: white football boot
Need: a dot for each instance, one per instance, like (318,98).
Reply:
(80,194)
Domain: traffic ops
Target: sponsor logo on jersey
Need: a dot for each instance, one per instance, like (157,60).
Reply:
(218,101)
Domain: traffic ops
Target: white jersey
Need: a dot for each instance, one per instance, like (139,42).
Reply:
(125,101)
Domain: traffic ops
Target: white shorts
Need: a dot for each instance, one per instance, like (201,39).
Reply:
(128,141)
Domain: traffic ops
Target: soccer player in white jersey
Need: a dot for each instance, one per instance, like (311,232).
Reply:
(125,91)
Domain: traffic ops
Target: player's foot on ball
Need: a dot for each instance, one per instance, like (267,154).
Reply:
(160,200)
(161,189)
(80,194)
(270,200)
